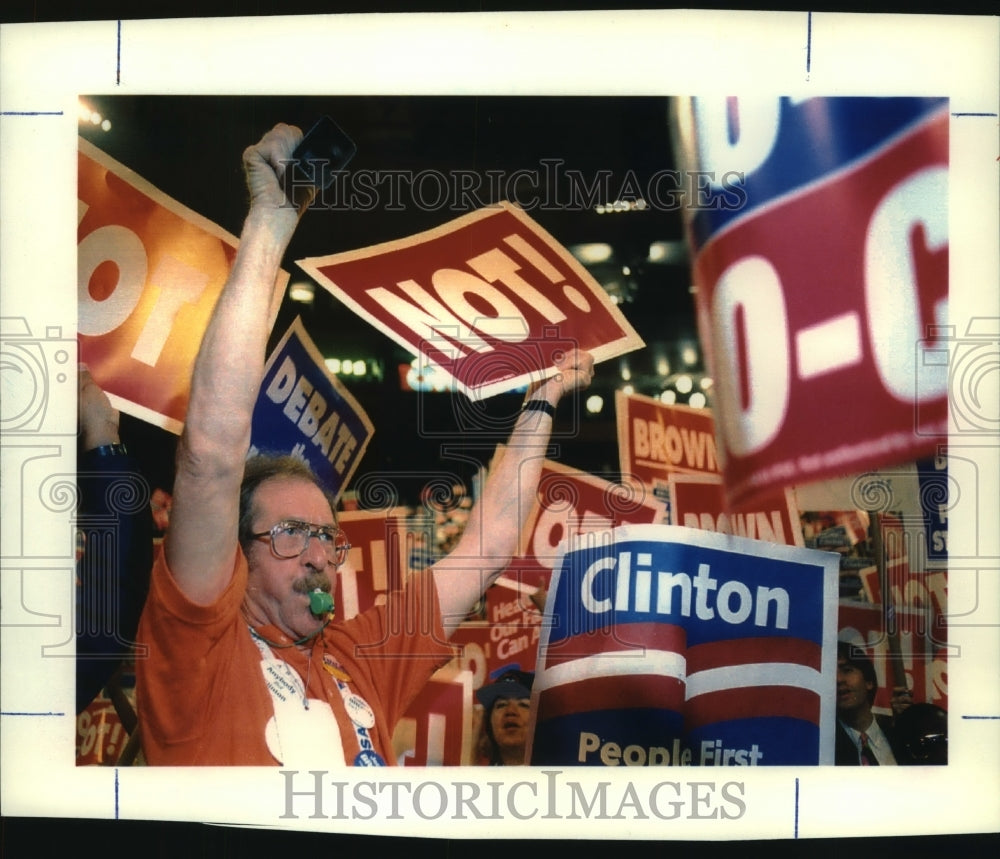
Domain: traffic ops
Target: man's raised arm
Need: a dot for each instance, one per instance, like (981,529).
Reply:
(201,543)
(490,538)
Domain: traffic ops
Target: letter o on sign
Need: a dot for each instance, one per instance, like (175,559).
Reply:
(124,248)
(634,756)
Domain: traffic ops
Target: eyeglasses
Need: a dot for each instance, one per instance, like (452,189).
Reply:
(290,538)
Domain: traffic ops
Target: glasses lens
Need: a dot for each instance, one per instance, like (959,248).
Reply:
(289,539)
(336,545)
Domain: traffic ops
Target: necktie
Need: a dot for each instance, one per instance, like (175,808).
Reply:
(867,755)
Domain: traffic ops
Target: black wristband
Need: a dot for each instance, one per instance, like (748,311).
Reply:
(109,450)
(540,406)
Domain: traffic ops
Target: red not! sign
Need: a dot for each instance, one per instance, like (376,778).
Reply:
(489,298)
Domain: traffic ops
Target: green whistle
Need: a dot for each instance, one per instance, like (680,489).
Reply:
(320,602)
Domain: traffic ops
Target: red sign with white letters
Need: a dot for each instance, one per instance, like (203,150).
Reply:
(670,451)
(149,271)
(822,303)
(570,503)
(656,440)
(100,735)
(378,561)
(489,298)
(436,729)
(701,503)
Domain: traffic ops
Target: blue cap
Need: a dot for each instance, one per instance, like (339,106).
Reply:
(510,684)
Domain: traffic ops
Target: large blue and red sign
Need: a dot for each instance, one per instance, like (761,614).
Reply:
(672,646)
(820,250)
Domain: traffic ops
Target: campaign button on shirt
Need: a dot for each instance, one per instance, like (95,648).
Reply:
(334,668)
(360,711)
(368,758)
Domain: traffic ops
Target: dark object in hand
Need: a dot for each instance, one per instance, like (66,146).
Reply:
(324,151)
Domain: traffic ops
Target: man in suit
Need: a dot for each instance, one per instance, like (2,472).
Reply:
(864,738)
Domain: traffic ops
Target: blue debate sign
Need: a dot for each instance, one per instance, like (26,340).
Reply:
(304,410)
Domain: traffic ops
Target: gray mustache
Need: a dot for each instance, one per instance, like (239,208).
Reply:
(311,582)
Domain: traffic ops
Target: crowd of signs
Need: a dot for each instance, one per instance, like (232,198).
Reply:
(687,615)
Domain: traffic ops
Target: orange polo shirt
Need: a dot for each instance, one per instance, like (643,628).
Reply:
(201,693)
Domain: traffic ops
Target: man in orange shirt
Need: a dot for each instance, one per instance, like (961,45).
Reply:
(244,666)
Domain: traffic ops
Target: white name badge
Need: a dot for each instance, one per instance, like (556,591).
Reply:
(359,710)
(305,738)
